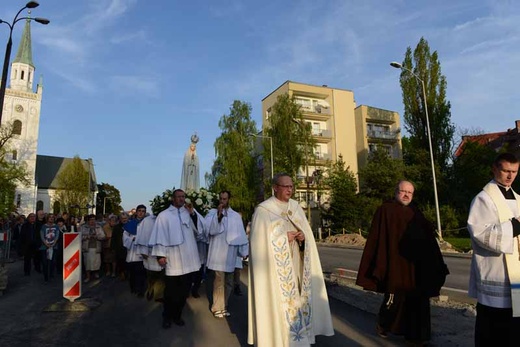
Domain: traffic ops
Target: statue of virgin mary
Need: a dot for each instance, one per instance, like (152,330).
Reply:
(190,167)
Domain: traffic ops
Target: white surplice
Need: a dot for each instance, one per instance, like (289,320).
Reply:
(288,303)
(142,240)
(492,241)
(227,240)
(174,236)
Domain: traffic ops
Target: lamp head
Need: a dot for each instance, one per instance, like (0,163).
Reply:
(43,21)
(32,4)
(396,65)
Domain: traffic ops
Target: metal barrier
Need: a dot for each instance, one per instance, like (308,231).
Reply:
(5,246)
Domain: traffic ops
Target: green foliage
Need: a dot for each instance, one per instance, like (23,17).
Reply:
(11,172)
(202,200)
(449,219)
(234,168)
(427,67)
(461,244)
(379,177)
(108,199)
(73,186)
(470,171)
(293,143)
(345,208)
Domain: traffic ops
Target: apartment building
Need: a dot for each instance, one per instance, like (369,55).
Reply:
(377,128)
(330,113)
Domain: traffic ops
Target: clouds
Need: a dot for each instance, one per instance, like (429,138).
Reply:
(164,69)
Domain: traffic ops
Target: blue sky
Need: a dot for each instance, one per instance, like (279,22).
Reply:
(127,82)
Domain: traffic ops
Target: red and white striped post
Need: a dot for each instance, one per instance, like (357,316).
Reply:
(71,266)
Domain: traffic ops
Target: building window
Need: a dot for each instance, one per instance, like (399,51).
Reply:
(14,155)
(23,75)
(15,73)
(56,207)
(18,200)
(39,205)
(316,129)
(17,127)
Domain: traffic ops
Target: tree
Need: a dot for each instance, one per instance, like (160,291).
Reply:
(108,199)
(344,211)
(73,186)
(234,168)
(12,172)
(426,65)
(381,174)
(470,171)
(292,136)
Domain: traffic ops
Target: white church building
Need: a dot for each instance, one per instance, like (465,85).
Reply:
(22,108)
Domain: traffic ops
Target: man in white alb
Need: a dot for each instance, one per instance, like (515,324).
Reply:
(227,240)
(494,227)
(173,242)
(288,303)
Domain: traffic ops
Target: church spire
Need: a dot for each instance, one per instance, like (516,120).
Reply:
(22,67)
(24,54)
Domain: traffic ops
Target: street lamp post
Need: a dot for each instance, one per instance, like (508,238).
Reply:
(104,205)
(30,4)
(400,66)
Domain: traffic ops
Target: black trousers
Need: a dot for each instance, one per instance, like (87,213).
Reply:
(408,315)
(496,327)
(35,256)
(197,279)
(176,291)
(137,277)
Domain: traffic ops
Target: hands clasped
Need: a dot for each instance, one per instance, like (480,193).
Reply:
(296,235)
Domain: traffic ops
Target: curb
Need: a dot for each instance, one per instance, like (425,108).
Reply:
(339,245)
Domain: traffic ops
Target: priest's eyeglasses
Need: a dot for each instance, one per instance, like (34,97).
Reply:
(402,191)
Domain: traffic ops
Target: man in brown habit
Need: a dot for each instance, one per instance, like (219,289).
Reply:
(402,259)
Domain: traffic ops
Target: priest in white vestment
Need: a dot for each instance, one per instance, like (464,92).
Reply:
(174,243)
(494,227)
(227,240)
(288,303)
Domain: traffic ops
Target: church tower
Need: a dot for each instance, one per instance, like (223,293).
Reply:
(22,108)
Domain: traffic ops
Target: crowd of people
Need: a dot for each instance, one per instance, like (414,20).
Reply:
(166,257)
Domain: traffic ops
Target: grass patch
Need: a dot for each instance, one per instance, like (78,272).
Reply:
(461,244)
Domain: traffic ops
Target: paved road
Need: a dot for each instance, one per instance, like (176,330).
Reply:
(34,314)
(456,286)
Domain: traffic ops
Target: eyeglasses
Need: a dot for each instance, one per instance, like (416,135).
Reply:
(405,192)
(286,186)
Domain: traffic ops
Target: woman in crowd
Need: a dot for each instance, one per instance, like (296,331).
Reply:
(49,234)
(117,245)
(92,235)
(109,254)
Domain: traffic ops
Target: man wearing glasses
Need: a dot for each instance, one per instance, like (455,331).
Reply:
(288,303)
(402,259)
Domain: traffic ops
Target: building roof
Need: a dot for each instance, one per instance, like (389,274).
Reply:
(24,54)
(484,140)
(49,167)
(306,84)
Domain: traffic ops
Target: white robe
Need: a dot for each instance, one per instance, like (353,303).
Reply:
(174,237)
(227,240)
(280,313)
(144,231)
(491,239)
